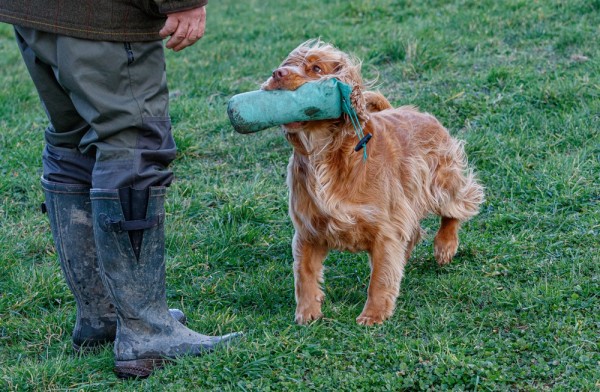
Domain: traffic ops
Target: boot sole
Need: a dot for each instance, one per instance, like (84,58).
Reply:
(138,368)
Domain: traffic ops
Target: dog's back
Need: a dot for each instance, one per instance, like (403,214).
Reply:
(431,165)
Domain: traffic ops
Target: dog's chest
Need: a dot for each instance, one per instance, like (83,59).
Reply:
(333,219)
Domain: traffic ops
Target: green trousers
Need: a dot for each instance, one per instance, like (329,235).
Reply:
(107,103)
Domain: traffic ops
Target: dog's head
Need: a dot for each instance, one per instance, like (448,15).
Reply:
(315,60)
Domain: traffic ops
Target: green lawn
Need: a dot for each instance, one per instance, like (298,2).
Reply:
(519,307)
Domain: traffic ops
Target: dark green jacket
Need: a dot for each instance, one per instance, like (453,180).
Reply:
(105,20)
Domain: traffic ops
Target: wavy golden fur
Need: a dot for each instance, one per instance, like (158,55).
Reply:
(340,201)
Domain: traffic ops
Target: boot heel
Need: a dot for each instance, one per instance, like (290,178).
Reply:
(138,368)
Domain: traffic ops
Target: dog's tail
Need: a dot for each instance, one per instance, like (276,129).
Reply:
(455,188)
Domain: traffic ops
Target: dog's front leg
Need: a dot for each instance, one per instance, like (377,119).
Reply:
(387,258)
(308,276)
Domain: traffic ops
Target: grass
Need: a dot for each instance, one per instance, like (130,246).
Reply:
(517,310)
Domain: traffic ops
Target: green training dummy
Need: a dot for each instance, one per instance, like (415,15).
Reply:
(257,110)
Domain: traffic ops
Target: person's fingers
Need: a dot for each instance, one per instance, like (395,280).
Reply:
(192,37)
(183,44)
(184,28)
(170,27)
(196,30)
(179,36)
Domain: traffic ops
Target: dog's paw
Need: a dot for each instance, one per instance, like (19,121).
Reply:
(444,249)
(378,308)
(304,318)
(370,319)
(308,307)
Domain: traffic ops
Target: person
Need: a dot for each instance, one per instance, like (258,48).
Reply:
(99,70)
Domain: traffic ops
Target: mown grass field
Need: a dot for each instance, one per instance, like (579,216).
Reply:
(518,309)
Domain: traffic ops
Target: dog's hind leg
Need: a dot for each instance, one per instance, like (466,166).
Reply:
(459,197)
(387,258)
(460,209)
(308,277)
(445,243)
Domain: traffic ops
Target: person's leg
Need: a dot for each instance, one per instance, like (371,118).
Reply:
(69,211)
(146,336)
(66,182)
(62,160)
(120,90)
(107,103)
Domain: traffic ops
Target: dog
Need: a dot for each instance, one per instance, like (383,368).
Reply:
(338,199)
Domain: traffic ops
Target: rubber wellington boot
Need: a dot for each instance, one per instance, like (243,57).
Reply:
(70,213)
(147,337)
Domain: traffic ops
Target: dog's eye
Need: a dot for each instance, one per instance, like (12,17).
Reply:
(317,69)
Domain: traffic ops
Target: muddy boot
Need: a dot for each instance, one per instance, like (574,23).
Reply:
(133,269)
(69,210)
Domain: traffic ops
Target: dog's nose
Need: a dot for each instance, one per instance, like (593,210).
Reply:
(280,73)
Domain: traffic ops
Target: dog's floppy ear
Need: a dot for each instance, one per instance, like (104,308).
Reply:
(358,102)
(376,102)
(348,72)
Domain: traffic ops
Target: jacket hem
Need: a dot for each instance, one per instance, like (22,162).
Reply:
(86,32)
(167,7)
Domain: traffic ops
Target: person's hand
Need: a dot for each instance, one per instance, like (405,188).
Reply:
(184,28)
